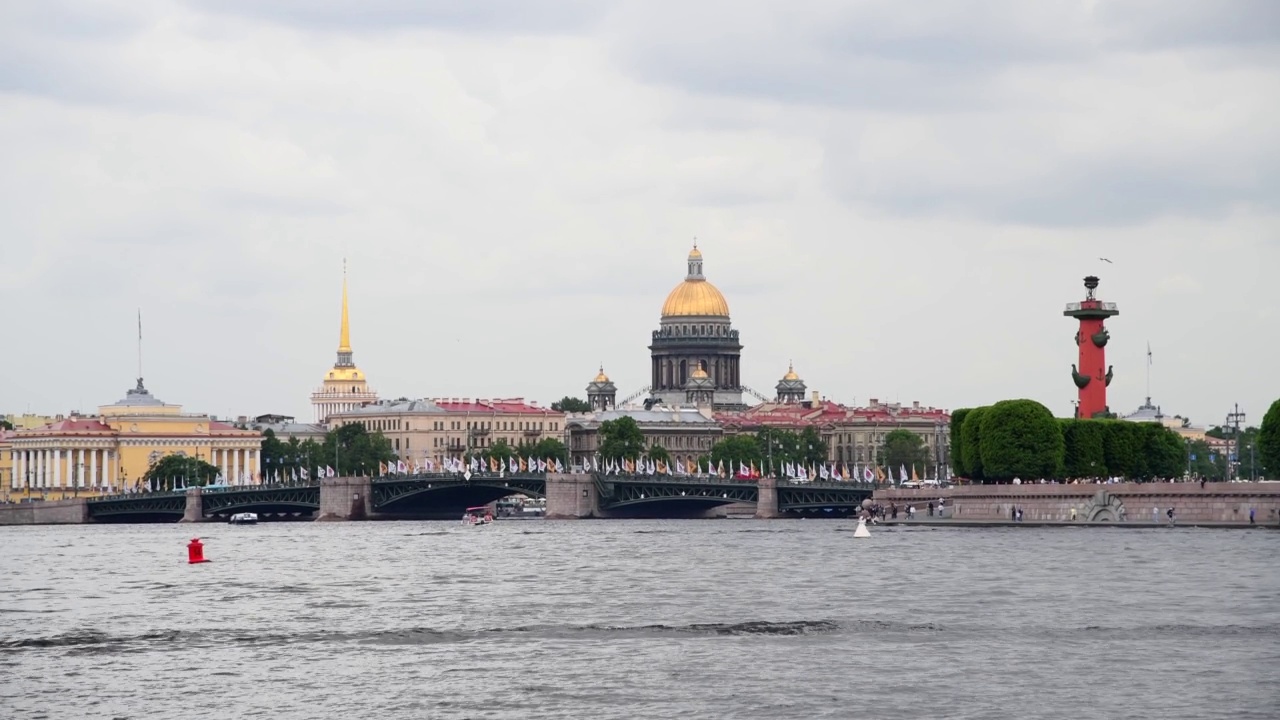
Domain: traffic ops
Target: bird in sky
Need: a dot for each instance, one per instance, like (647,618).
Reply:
(1106,260)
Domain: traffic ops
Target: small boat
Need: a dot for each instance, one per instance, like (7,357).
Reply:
(477,516)
(245,518)
(861,530)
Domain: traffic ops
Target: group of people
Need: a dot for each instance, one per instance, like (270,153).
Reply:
(878,512)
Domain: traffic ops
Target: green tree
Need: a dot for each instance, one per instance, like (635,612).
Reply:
(1268,442)
(1123,445)
(621,439)
(5,424)
(657,453)
(568,404)
(970,454)
(1205,463)
(813,449)
(734,450)
(175,471)
(273,454)
(352,450)
(902,448)
(501,451)
(1165,452)
(1084,443)
(957,422)
(551,449)
(1020,438)
(778,447)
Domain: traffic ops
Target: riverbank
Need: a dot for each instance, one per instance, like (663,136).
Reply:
(954,523)
(1138,504)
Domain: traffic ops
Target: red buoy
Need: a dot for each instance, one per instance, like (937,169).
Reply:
(195,552)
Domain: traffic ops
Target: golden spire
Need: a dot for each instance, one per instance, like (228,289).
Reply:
(344,336)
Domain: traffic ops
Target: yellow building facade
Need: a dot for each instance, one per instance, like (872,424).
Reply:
(345,386)
(26,421)
(450,428)
(110,452)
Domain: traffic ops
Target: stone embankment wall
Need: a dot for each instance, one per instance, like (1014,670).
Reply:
(1215,502)
(52,512)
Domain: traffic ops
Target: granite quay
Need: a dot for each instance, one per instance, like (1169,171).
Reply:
(1212,503)
(446,495)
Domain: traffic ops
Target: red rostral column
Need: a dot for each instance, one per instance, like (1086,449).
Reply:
(1093,375)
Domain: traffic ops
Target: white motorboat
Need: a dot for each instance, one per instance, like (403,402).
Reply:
(245,518)
(862,530)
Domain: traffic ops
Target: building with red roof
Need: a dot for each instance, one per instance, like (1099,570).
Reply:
(852,434)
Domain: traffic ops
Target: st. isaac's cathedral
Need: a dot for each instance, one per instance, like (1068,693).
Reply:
(695,353)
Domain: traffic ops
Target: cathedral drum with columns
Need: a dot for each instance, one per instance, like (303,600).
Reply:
(695,351)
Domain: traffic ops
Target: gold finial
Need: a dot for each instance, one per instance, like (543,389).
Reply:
(791,371)
(602,378)
(344,335)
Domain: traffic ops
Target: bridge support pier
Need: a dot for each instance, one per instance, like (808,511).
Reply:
(195,506)
(571,496)
(345,498)
(767,499)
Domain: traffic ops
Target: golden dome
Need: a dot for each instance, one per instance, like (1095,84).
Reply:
(695,297)
(698,373)
(791,373)
(601,378)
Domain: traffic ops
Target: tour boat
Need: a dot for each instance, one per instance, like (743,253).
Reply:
(477,516)
(245,518)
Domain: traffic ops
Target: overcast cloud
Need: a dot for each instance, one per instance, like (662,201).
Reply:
(901,197)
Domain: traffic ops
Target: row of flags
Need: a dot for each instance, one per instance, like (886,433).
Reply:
(475,465)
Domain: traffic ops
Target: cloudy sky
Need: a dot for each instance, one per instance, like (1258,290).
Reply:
(901,197)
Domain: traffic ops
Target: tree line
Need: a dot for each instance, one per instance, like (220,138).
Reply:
(1021,438)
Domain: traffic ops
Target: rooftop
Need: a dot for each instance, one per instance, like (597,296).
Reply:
(656,416)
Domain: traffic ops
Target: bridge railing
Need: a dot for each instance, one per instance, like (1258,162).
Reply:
(832,484)
(486,475)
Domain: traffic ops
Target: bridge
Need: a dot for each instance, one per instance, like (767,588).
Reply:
(446,495)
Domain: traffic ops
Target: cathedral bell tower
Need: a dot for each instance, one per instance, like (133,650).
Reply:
(601,392)
(791,388)
(699,391)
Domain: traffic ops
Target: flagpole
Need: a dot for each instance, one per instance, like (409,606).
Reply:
(1148,372)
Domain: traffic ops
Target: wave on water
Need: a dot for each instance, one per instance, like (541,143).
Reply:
(99,642)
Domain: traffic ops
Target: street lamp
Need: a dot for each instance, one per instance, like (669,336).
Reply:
(1233,421)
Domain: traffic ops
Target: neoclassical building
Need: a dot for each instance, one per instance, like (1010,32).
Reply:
(695,351)
(345,386)
(87,455)
(686,433)
(852,434)
(451,428)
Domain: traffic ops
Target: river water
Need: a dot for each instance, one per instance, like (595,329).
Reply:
(629,619)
